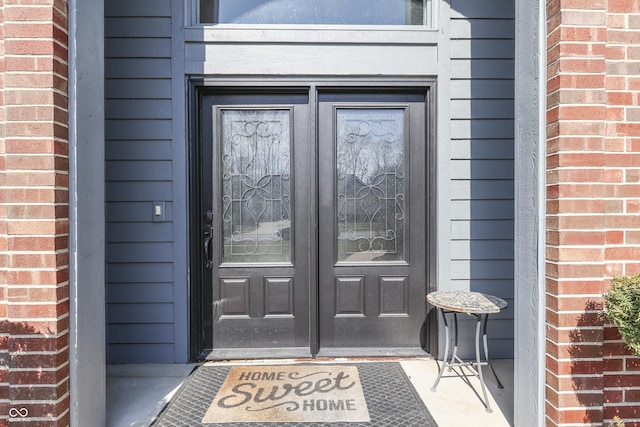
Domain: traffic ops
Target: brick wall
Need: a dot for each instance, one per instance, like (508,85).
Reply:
(593,187)
(4,333)
(34,303)
(622,252)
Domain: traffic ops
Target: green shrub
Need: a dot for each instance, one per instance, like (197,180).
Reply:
(622,304)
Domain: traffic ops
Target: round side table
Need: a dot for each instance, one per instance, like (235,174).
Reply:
(474,304)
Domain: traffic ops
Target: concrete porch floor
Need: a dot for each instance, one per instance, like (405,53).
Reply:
(137,393)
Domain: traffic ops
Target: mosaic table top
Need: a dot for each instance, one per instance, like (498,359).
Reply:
(467,302)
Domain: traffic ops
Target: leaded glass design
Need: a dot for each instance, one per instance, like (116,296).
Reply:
(336,12)
(256,196)
(370,185)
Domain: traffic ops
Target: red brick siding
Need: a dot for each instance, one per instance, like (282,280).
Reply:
(4,332)
(34,213)
(593,184)
(576,232)
(622,255)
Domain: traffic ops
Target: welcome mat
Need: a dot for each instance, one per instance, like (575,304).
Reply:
(350,395)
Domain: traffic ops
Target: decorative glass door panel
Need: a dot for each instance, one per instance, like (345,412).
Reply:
(256,186)
(370,185)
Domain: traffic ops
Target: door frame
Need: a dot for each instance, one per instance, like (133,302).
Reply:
(200,318)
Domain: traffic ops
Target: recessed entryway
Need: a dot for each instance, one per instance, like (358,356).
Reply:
(312,221)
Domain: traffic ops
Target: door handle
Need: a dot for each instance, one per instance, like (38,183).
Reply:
(208,262)
(208,240)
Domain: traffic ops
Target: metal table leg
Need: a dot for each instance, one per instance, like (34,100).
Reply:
(479,363)
(450,362)
(486,350)
(446,349)
(454,355)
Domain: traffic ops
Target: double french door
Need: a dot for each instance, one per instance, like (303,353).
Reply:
(314,232)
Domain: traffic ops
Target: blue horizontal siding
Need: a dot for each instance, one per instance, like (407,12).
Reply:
(137,89)
(138,108)
(482,68)
(140,353)
(140,333)
(136,252)
(482,28)
(482,49)
(482,209)
(145,68)
(140,313)
(130,293)
(139,150)
(140,211)
(139,190)
(482,151)
(482,108)
(139,272)
(122,232)
(481,129)
(138,47)
(482,88)
(150,130)
(137,27)
(483,249)
(137,8)
(499,287)
(482,229)
(483,9)
(482,269)
(482,169)
(139,171)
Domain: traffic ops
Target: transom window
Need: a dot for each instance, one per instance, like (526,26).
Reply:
(313,12)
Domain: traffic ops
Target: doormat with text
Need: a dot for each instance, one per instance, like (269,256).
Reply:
(365,394)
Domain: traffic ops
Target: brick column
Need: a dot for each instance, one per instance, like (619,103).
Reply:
(4,329)
(576,124)
(34,209)
(593,176)
(622,256)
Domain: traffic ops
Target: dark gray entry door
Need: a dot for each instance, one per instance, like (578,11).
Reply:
(317,228)
(259,227)
(372,224)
